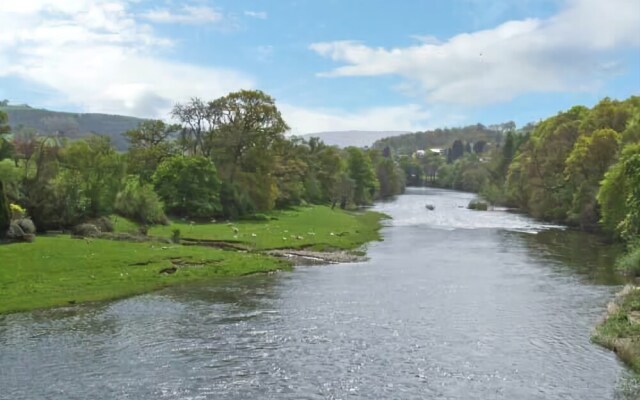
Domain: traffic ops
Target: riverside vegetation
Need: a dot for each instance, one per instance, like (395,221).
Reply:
(195,200)
(579,168)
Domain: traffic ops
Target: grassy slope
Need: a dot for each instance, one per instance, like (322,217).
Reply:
(57,270)
(621,333)
(318,227)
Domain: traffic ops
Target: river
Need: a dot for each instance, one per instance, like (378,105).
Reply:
(453,304)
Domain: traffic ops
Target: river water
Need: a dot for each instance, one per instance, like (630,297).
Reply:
(454,304)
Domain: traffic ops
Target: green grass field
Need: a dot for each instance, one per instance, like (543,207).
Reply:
(58,270)
(55,271)
(317,227)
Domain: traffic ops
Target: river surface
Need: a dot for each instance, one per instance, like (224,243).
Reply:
(454,304)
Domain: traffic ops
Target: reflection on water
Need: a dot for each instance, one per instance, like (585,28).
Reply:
(453,304)
(577,252)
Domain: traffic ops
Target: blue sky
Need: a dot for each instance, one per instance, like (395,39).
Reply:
(332,64)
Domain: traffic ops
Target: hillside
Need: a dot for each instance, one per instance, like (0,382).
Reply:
(71,125)
(442,138)
(352,138)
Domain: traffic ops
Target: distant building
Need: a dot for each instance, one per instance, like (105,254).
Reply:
(420,153)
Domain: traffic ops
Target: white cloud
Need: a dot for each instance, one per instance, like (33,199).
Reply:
(410,117)
(257,14)
(566,52)
(190,15)
(96,55)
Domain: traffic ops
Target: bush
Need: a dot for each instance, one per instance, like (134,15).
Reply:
(17,212)
(478,205)
(630,262)
(140,203)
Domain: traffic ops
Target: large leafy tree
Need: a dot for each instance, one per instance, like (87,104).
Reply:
(585,167)
(91,175)
(189,186)
(247,124)
(150,143)
(360,169)
(619,195)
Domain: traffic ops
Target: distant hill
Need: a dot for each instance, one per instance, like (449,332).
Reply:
(71,125)
(352,138)
(443,138)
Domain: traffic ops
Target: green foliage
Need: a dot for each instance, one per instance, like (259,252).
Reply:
(414,174)
(189,186)
(360,169)
(149,144)
(467,174)
(138,202)
(5,212)
(619,197)
(441,138)
(94,171)
(391,178)
(235,203)
(556,172)
(629,263)
(585,167)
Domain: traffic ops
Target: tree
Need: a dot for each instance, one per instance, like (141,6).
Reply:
(363,175)
(390,178)
(457,150)
(619,196)
(189,186)
(95,166)
(245,124)
(195,117)
(150,143)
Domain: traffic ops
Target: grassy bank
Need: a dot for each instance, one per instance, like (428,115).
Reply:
(318,227)
(620,331)
(55,271)
(58,270)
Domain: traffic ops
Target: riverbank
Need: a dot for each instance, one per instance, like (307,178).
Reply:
(620,329)
(59,270)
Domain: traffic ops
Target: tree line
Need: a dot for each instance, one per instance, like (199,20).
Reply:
(228,158)
(580,168)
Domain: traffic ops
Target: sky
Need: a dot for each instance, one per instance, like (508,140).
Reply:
(331,65)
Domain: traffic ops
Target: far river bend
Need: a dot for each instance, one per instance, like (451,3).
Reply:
(454,304)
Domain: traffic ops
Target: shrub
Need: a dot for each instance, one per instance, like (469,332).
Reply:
(478,205)
(630,262)
(140,203)
(17,212)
